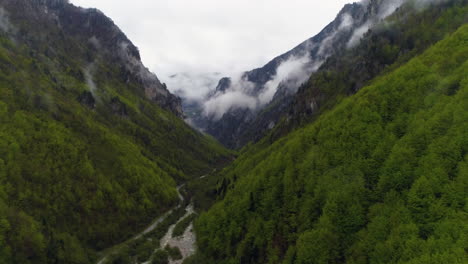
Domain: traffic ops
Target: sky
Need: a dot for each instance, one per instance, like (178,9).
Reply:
(191,44)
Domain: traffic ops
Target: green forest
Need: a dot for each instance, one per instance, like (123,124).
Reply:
(381,178)
(75,176)
(375,172)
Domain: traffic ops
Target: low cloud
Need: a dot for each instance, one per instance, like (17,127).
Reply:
(290,74)
(297,69)
(385,9)
(192,86)
(95,42)
(5,24)
(216,107)
(89,79)
(388,8)
(358,34)
(326,45)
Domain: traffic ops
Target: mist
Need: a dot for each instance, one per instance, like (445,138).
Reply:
(215,108)
(388,8)
(385,10)
(5,24)
(290,74)
(88,75)
(346,23)
(191,85)
(237,95)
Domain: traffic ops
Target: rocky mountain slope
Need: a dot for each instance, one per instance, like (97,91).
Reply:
(388,45)
(273,87)
(91,143)
(279,79)
(92,28)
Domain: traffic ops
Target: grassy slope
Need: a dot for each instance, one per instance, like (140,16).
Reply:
(75,179)
(381,178)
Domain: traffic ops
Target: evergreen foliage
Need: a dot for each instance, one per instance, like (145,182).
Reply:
(381,178)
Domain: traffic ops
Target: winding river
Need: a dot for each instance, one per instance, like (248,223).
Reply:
(186,242)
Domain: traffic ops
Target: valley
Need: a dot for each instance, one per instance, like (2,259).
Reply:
(352,147)
(186,242)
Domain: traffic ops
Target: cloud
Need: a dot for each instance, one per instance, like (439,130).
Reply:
(192,85)
(358,34)
(198,38)
(387,8)
(291,74)
(240,94)
(364,2)
(325,46)
(346,21)
(5,24)
(216,107)
(95,42)
(89,79)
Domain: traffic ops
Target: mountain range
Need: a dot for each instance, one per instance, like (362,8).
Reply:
(350,148)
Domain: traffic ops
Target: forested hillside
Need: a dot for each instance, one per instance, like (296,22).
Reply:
(91,147)
(366,164)
(381,178)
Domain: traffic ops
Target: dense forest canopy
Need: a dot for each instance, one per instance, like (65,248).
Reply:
(381,178)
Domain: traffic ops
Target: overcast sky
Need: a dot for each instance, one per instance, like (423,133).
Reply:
(202,40)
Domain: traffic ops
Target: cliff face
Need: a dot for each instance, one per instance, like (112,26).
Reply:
(89,28)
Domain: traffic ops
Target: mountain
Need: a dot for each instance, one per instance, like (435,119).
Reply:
(94,29)
(388,45)
(92,144)
(381,177)
(281,90)
(279,79)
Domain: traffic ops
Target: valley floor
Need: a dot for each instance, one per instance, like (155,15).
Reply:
(159,236)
